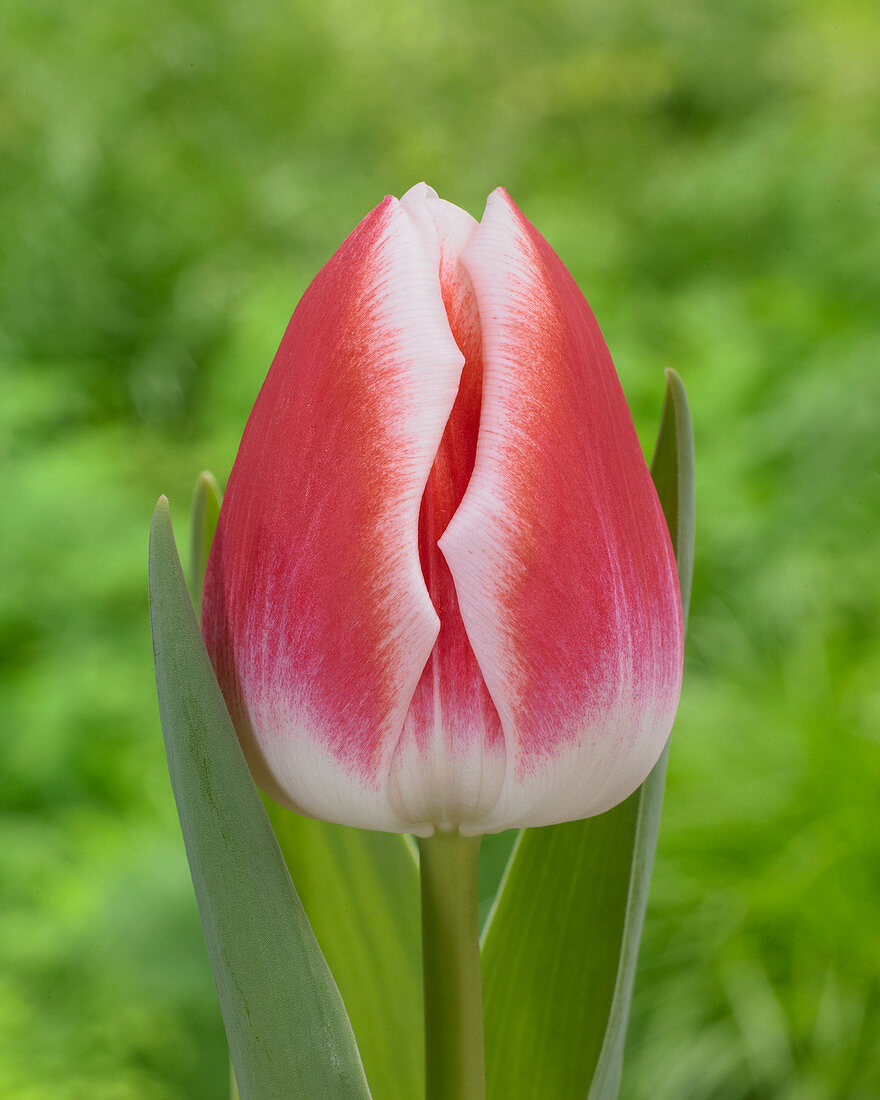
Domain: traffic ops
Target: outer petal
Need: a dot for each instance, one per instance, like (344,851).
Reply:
(559,551)
(315,609)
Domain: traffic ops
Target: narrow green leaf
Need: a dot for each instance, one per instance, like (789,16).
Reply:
(361,892)
(288,1031)
(672,469)
(204,515)
(203,522)
(561,946)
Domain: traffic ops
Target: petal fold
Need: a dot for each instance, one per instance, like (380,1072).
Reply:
(449,764)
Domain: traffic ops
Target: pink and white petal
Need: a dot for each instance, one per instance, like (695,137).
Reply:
(449,764)
(560,554)
(315,610)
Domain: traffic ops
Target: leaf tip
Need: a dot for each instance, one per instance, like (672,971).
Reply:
(160,525)
(673,380)
(206,480)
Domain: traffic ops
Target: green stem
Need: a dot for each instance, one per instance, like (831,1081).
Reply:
(454,1057)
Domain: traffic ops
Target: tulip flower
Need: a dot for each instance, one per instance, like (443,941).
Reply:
(442,593)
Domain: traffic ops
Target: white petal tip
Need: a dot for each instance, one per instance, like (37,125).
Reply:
(420,192)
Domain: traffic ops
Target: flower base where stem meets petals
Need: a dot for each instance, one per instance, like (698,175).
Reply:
(454,1053)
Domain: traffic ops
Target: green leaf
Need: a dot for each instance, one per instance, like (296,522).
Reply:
(288,1031)
(672,469)
(203,523)
(361,892)
(561,946)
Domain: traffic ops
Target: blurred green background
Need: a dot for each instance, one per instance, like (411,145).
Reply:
(172,174)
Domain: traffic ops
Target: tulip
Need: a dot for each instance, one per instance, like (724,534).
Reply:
(442,594)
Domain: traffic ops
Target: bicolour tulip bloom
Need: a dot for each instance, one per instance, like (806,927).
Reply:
(442,593)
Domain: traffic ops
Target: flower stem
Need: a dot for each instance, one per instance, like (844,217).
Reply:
(454,1057)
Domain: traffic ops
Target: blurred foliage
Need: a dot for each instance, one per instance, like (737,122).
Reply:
(171,176)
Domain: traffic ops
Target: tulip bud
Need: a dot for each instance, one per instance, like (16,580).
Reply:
(442,592)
